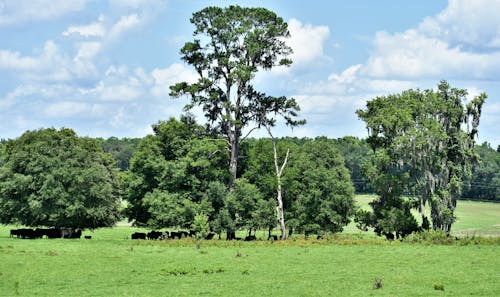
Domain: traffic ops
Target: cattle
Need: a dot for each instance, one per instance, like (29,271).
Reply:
(71,233)
(139,235)
(210,236)
(14,232)
(273,237)
(389,236)
(53,233)
(153,235)
(174,235)
(250,238)
(230,235)
(26,233)
(88,237)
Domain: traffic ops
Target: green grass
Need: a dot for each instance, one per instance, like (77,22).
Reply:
(110,264)
(119,267)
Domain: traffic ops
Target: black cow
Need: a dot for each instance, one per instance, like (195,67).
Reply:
(53,233)
(138,235)
(71,233)
(14,232)
(26,233)
(153,235)
(250,238)
(174,235)
(88,237)
(210,236)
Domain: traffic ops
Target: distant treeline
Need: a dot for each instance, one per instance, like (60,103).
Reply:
(484,184)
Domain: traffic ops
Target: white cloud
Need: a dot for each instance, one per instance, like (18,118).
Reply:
(463,41)
(22,11)
(164,78)
(123,24)
(414,55)
(66,109)
(472,23)
(306,41)
(51,64)
(92,30)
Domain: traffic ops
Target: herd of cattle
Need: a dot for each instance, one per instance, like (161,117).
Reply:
(158,235)
(27,233)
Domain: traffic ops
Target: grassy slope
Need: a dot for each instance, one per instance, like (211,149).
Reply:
(129,268)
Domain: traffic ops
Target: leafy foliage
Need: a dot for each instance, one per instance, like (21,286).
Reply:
(323,190)
(54,178)
(171,174)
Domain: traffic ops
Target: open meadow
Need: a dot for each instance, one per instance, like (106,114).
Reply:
(110,264)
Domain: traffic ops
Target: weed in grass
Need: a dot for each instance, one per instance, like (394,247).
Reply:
(203,252)
(238,254)
(219,270)
(178,271)
(438,286)
(52,253)
(377,284)
(245,272)
(16,287)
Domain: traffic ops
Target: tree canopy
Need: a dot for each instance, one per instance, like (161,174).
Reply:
(55,178)
(427,138)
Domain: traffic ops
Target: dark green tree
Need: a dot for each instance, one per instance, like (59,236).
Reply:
(231,45)
(121,149)
(55,178)
(323,189)
(171,172)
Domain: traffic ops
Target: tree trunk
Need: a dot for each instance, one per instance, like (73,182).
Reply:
(235,151)
(279,172)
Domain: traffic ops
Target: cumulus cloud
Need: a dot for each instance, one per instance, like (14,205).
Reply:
(468,23)
(463,41)
(164,78)
(50,64)
(22,11)
(306,41)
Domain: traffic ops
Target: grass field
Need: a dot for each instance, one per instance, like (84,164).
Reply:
(110,264)
(473,218)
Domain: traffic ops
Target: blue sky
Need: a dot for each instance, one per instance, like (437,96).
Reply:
(103,68)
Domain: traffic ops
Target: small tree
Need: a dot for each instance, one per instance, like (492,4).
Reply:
(201,227)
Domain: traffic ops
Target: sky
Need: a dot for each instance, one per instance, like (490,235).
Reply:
(103,68)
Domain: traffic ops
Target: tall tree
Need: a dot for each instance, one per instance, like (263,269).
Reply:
(231,45)
(55,178)
(423,135)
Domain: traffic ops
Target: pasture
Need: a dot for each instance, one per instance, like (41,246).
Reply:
(110,264)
